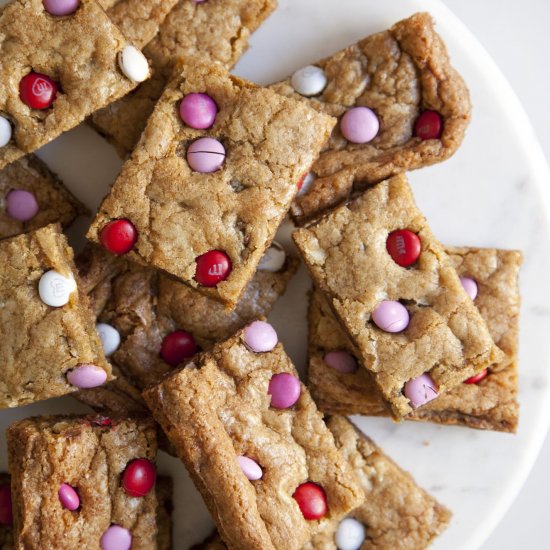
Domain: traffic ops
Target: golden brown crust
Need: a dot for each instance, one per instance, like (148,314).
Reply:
(270,141)
(218,408)
(398,73)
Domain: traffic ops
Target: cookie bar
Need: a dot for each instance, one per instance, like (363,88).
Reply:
(400,103)
(31,197)
(59,66)
(205,205)
(6,515)
(148,310)
(397,294)
(396,512)
(254,443)
(50,346)
(217,30)
(82,479)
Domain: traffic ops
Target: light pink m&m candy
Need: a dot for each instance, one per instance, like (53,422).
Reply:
(260,337)
(421,390)
(61,7)
(250,468)
(206,155)
(391,316)
(341,361)
(21,205)
(198,111)
(284,389)
(360,125)
(86,376)
(68,497)
(116,538)
(470,286)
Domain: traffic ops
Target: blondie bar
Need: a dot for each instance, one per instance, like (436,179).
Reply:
(147,309)
(79,481)
(401,106)
(398,296)
(50,346)
(254,443)
(217,30)
(59,65)
(31,197)
(205,209)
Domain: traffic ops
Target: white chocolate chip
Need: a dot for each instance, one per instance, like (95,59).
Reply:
(350,534)
(133,64)
(274,258)
(5,131)
(309,80)
(306,184)
(55,289)
(109,336)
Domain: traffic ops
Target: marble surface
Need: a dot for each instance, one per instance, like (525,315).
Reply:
(492,193)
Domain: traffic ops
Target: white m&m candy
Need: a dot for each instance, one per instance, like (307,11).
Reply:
(350,534)
(5,131)
(274,258)
(55,289)
(133,64)
(309,80)
(109,336)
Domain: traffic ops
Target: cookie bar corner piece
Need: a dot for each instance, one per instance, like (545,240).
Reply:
(211,179)
(254,443)
(397,294)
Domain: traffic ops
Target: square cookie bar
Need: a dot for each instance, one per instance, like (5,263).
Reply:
(254,443)
(204,205)
(488,401)
(58,68)
(397,294)
(400,103)
(82,480)
(50,346)
(31,196)
(217,30)
(150,323)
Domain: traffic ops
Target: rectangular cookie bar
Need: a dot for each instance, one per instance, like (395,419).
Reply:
(419,110)
(204,206)
(31,196)
(146,307)
(254,443)
(6,528)
(217,30)
(414,328)
(489,404)
(73,482)
(57,71)
(396,513)
(50,346)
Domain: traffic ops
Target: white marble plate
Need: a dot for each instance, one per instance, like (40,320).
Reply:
(494,192)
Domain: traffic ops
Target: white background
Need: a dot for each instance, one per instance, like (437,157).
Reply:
(516,34)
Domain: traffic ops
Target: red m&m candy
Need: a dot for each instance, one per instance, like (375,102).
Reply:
(312,500)
(404,247)
(118,236)
(6,514)
(38,91)
(212,268)
(177,346)
(139,477)
(429,125)
(477,378)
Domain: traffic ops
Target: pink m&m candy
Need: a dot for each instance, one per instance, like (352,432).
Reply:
(341,361)
(21,205)
(68,497)
(116,538)
(284,389)
(470,286)
(391,316)
(260,337)
(250,468)
(421,390)
(198,111)
(61,7)
(206,155)
(86,376)
(360,125)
